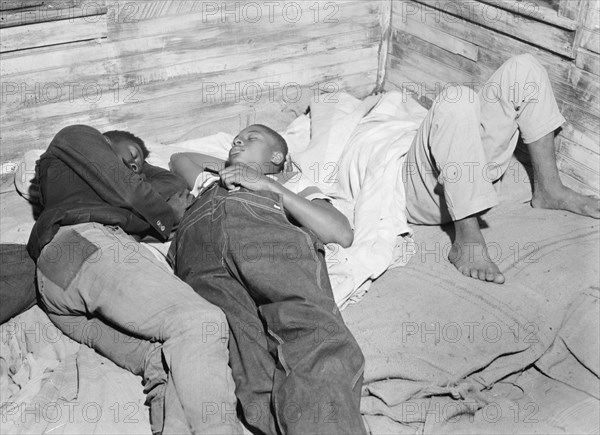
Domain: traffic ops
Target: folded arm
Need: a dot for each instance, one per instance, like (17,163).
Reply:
(318,215)
(328,223)
(190,165)
(88,154)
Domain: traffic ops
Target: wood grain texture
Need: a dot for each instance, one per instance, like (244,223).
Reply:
(588,61)
(521,26)
(569,8)
(15,5)
(52,33)
(590,28)
(545,13)
(40,12)
(173,70)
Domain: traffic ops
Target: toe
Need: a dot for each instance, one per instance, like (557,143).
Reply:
(499,279)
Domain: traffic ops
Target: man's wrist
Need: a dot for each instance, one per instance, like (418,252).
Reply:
(273,185)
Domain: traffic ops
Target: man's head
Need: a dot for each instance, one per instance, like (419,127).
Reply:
(128,147)
(260,146)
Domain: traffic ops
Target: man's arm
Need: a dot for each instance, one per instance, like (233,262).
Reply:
(328,223)
(190,165)
(89,155)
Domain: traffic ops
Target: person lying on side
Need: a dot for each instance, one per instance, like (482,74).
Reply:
(98,198)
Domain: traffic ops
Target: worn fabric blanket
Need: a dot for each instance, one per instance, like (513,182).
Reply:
(50,384)
(440,345)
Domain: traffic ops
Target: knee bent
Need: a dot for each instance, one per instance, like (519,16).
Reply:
(454,100)
(526,59)
(526,64)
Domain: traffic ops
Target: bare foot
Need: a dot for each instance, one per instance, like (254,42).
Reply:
(564,198)
(548,190)
(469,252)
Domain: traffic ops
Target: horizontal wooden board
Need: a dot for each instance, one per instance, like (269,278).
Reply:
(590,40)
(134,11)
(210,85)
(206,44)
(575,184)
(29,94)
(53,32)
(504,45)
(12,5)
(580,163)
(579,116)
(439,38)
(541,34)
(65,10)
(535,11)
(568,83)
(583,137)
(152,66)
(402,42)
(307,15)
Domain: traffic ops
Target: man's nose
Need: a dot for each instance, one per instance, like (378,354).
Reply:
(238,143)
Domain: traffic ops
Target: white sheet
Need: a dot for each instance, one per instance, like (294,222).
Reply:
(355,154)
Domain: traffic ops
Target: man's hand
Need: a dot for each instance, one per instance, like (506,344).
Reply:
(245,176)
(179,203)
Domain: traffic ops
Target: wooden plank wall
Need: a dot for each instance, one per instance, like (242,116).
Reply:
(437,42)
(171,70)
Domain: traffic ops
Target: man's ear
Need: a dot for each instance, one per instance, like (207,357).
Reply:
(277,158)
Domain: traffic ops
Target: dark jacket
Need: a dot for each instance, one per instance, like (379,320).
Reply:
(82,180)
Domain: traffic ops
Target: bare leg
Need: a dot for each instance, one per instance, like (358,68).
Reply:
(469,253)
(548,191)
(439,190)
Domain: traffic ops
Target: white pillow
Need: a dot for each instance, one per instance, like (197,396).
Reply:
(216,145)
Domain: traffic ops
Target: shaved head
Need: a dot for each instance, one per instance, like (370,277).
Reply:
(278,139)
